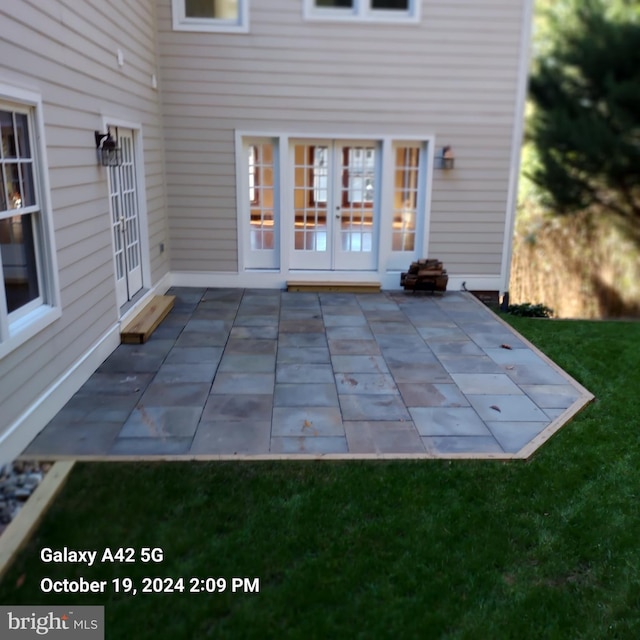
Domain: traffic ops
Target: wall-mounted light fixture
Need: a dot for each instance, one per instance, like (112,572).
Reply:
(446,159)
(109,153)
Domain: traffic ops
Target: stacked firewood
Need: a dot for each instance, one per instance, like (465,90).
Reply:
(425,275)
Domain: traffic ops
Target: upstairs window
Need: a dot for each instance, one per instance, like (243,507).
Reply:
(374,10)
(211,15)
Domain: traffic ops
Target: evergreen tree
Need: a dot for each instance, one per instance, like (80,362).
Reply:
(585,121)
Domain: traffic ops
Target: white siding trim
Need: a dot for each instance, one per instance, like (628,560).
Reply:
(241,198)
(286,202)
(516,144)
(389,280)
(386,173)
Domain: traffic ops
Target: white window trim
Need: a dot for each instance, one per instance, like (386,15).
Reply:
(21,327)
(362,12)
(212,25)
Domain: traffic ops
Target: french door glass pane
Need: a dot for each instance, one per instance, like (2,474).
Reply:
(215,9)
(261,196)
(18,257)
(320,174)
(310,197)
(358,194)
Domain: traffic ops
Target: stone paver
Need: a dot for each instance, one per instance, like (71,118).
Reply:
(232,438)
(234,372)
(307,421)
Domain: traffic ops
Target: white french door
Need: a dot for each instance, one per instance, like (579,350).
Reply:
(125,222)
(335,204)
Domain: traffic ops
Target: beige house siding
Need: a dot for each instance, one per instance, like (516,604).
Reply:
(67,52)
(454,79)
(454,75)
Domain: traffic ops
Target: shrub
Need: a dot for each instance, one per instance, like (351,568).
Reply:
(526,309)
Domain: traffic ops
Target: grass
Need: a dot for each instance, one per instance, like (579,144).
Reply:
(428,549)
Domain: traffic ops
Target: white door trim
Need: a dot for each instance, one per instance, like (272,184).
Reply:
(387,263)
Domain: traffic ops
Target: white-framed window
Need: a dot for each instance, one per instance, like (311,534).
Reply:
(28,287)
(231,16)
(364,10)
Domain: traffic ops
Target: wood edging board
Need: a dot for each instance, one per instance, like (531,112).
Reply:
(331,287)
(23,525)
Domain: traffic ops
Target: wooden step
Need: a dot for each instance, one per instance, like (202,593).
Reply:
(145,322)
(334,287)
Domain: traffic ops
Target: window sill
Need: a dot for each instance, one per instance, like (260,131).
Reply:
(329,16)
(27,327)
(205,25)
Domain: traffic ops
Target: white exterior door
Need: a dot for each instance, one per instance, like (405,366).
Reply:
(335,204)
(125,223)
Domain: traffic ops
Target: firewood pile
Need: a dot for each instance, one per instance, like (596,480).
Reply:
(425,275)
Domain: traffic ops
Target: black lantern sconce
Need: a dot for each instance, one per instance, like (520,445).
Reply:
(446,159)
(109,153)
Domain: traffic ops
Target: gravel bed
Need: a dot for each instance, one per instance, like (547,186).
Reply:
(18,480)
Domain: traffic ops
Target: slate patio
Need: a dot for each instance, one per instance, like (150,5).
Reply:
(266,373)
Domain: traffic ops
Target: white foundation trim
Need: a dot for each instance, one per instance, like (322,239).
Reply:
(264,279)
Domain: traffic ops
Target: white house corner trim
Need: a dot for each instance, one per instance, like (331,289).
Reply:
(516,143)
(240,196)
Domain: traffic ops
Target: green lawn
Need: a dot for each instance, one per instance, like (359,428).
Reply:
(548,548)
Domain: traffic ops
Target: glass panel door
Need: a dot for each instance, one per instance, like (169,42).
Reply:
(125,223)
(312,199)
(335,205)
(357,207)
